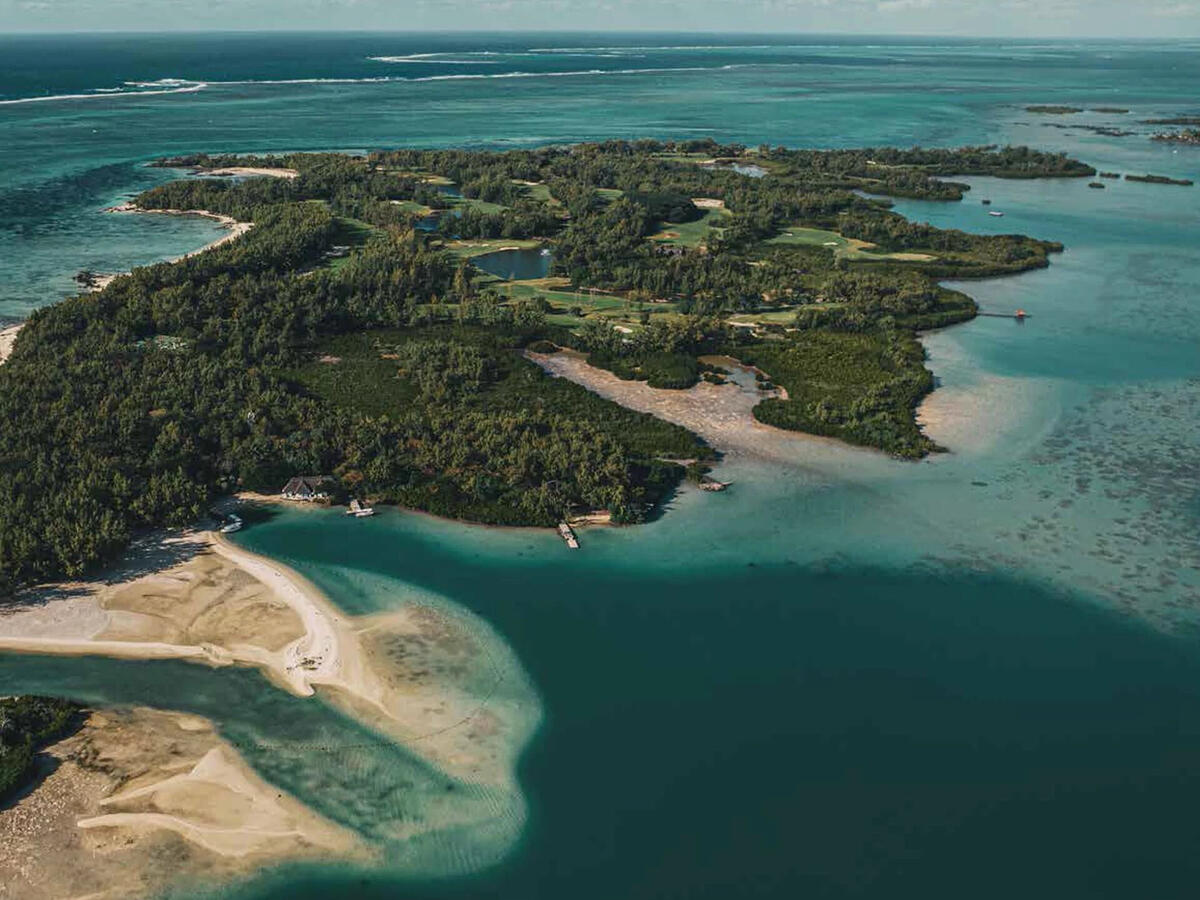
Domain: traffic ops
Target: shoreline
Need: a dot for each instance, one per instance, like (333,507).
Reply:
(321,655)
(8,340)
(425,675)
(235,230)
(139,800)
(199,598)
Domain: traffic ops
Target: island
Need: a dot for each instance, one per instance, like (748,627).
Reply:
(1051,110)
(387,320)
(1160,179)
(1184,136)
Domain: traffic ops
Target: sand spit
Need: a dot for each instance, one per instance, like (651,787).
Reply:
(433,680)
(8,338)
(141,799)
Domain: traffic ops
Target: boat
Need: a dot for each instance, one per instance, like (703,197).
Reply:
(565,532)
(995,213)
(546,251)
(359,510)
(232,523)
(986,202)
(711,484)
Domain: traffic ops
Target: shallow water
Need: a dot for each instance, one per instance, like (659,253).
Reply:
(845,676)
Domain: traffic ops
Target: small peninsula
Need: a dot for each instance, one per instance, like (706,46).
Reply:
(372,325)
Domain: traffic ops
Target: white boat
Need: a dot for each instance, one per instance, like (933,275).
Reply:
(359,510)
(546,251)
(233,524)
(995,213)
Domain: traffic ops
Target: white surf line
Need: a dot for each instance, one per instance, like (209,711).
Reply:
(106,94)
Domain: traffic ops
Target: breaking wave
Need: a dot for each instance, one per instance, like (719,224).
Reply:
(131,89)
(185,86)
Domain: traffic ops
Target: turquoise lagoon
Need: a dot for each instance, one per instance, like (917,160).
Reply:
(845,677)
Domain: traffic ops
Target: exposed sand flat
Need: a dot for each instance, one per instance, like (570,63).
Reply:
(8,337)
(248,171)
(219,605)
(719,413)
(418,673)
(142,799)
(134,808)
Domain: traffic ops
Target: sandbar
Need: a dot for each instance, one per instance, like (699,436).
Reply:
(140,799)
(432,679)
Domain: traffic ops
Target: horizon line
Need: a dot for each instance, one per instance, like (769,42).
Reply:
(775,34)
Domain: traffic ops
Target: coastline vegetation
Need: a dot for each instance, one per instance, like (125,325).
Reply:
(347,333)
(27,724)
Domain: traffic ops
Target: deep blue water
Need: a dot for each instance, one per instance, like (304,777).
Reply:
(847,676)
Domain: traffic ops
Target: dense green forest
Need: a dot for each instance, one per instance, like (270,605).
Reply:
(26,725)
(348,333)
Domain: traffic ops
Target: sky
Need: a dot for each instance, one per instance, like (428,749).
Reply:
(982,18)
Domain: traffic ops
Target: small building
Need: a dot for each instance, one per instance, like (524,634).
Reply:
(309,488)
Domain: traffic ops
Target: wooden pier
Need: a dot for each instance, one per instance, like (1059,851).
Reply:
(1020,315)
(565,532)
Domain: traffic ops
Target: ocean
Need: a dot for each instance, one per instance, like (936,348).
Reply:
(847,676)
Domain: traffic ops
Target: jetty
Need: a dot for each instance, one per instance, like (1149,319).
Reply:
(568,535)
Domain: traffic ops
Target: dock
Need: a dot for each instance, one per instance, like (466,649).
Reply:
(1020,315)
(568,535)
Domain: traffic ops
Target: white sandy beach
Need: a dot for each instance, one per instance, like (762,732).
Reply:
(200,598)
(8,338)
(131,619)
